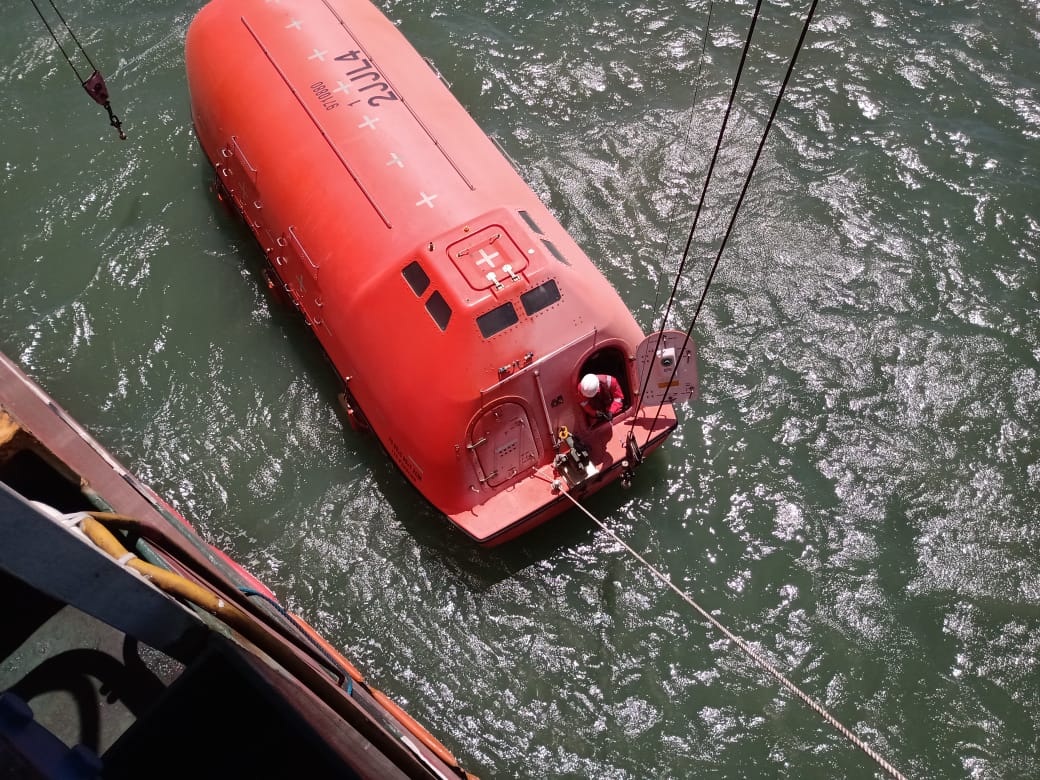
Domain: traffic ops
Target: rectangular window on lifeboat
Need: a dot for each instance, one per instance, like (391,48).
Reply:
(497,320)
(540,297)
(416,277)
(554,251)
(530,222)
(439,310)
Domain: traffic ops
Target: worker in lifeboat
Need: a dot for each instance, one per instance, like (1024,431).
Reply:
(601,397)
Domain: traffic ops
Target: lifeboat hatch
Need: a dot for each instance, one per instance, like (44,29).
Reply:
(610,361)
(503,443)
(488,259)
(671,367)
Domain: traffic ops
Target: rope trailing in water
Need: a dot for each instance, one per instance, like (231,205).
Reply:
(814,705)
(95,83)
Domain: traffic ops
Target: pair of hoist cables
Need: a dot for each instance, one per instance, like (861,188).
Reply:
(95,83)
(704,190)
(755,656)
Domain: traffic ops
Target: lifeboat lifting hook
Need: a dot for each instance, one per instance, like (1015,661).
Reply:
(94,85)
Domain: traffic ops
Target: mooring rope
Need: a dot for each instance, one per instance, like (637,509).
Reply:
(814,705)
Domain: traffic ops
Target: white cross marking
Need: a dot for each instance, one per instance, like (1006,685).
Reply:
(369,122)
(395,160)
(319,55)
(425,200)
(294,23)
(486,258)
(344,88)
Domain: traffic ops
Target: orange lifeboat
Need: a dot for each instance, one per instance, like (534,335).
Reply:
(457,312)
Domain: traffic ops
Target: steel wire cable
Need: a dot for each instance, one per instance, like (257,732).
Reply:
(740,199)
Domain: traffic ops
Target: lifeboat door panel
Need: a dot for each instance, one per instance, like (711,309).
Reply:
(299,275)
(672,368)
(306,280)
(503,443)
(240,180)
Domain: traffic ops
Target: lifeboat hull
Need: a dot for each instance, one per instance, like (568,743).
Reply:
(456,310)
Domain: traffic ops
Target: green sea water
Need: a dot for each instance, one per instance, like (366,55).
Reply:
(856,493)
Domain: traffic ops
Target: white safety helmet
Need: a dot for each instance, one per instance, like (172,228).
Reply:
(589,385)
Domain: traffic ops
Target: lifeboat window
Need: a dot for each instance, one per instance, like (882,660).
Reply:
(439,310)
(541,296)
(530,222)
(555,252)
(416,277)
(497,320)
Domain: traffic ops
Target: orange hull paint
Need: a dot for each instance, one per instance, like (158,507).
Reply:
(455,308)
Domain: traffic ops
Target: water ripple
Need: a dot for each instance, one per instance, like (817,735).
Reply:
(855,493)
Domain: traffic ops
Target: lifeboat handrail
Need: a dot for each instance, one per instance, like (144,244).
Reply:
(555,440)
